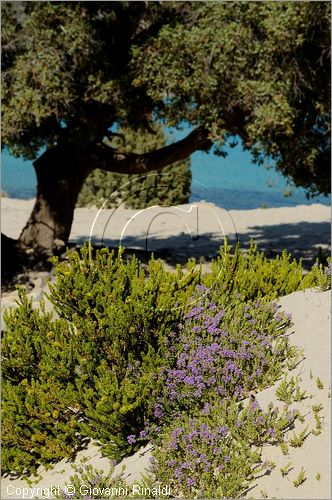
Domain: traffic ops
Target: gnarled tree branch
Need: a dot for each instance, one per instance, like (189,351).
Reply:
(109,159)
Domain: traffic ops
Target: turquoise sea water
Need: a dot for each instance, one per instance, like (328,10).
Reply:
(233,182)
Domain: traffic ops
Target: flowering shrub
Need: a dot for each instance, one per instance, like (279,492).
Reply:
(207,438)
(217,453)
(220,354)
(128,353)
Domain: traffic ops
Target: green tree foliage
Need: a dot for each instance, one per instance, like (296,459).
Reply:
(169,187)
(72,70)
(265,67)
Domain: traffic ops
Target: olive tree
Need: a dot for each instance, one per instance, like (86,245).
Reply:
(71,71)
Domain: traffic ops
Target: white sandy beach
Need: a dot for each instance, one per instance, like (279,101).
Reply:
(192,230)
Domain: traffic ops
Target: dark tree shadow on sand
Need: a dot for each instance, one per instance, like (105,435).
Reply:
(306,240)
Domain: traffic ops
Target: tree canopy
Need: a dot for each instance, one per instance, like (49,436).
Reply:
(258,70)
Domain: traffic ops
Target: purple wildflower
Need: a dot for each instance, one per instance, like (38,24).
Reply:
(178,473)
(191,481)
(254,405)
(192,435)
(222,430)
(131,439)
(158,410)
(206,409)
(176,432)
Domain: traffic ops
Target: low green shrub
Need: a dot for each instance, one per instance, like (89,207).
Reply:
(89,482)
(39,424)
(253,276)
(322,275)
(96,361)
(121,314)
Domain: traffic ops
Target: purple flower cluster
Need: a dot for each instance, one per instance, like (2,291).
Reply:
(200,433)
(195,448)
(158,411)
(215,360)
(209,362)
(205,370)
(131,439)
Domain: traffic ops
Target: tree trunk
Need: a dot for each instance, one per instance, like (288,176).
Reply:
(61,172)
